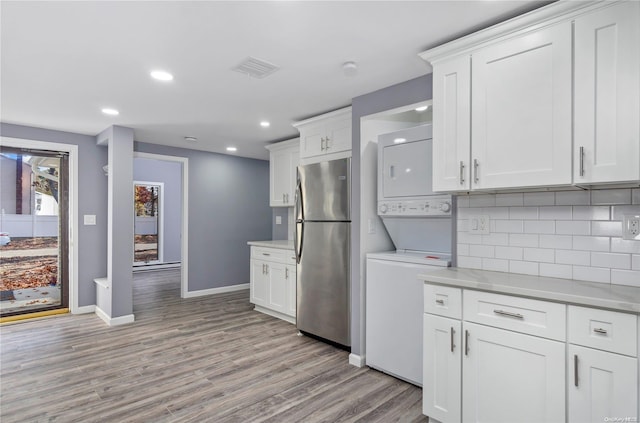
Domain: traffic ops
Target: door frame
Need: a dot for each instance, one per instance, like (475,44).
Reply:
(73,246)
(160,223)
(184,244)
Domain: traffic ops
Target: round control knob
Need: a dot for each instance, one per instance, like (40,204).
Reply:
(383,208)
(445,207)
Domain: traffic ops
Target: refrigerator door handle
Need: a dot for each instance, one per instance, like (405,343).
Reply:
(298,240)
(298,201)
(299,221)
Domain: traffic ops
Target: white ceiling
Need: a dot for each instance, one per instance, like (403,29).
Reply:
(62,62)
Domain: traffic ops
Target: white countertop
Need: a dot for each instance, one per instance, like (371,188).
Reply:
(281,244)
(593,294)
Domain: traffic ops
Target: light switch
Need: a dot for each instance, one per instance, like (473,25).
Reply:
(479,224)
(89,219)
(278,220)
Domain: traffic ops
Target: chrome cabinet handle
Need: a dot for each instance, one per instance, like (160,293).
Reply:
(266,266)
(286,273)
(322,147)
(263,271)
(475,170)
(581,161)
(508,313)
(461,172)
(466,342)
(266,254)
(600,331)
(452,344)
(441,302)
(575,370)
(326,143)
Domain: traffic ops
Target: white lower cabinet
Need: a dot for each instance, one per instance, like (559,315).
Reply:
(511,377)
(273,282)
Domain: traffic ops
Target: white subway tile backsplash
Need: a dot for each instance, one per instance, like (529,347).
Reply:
(469,262)
(635,196)
(463,225)
(541,255)
(482,251)
(482,200)
(510,199)
(495,239)
(523,240)
(466,212)
(573,198)
(573,227)
(556,241)
(591,243)
(555,213)
(564,271)
(618,211)
(510,253)
(582,258)
(590,213)
(610,196)
(467,238)
(523,213)
(539,227)
(496,265)
(509,226)
(611,260)
(635,261)
(592,274)
(462,200)
(524,267)
(625,277)
(496,212)
(600,228)
(539,199)
(619,245)
(463,249)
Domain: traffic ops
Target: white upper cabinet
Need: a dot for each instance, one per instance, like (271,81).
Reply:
(521,111)
(283,160)
(550,98)
(325,137)
(452,124)
(607,95)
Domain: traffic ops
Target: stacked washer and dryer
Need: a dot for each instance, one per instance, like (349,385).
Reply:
(420,224)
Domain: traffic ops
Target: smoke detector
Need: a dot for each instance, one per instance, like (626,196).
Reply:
(255,68)
(190,139)
(349,68)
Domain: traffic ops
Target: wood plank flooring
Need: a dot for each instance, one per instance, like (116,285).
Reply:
(204,359)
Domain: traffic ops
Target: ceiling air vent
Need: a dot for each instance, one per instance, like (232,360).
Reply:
(256,68)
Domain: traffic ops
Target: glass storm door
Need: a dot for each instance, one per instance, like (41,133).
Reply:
(148,223)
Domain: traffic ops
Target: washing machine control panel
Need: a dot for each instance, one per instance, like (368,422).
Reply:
(426,206)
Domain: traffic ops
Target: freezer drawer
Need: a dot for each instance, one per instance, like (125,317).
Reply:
(323,280)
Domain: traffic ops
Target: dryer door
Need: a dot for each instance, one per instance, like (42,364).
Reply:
(406,169)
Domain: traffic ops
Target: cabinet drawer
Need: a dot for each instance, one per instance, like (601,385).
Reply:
(535,317)
(604,330)
(272,254)
(443,301)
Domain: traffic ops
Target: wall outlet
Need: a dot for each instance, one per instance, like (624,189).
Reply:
(479,224)
(631,227)
(89,219)
(372,226)
(278,220)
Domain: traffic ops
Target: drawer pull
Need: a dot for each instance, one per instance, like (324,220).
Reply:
(575,370)
(466,342)
(452,344)
(600,331)
(441,302)
(266,254)
(509,314)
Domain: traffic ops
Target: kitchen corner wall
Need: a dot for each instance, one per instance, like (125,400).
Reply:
(567,234)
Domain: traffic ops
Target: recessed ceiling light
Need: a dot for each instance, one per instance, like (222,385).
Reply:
(110,112)
(421,108)
(265,124)
(161,75)
(190,139)
(232,149)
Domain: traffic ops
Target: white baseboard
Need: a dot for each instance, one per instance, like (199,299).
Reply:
(115,321)
(221,290)
(284,317)
(84,309)
(356,360)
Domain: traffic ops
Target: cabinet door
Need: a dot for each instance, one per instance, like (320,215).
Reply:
(290,276)
(259,283)
(452,124)
(521,111)
(605,385)
(607,99)
(511,377)
(338,135)
(277,287)
(294,161)
(442,369)
(312,140)
(280,169)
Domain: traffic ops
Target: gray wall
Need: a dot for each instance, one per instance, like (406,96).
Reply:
(169,173)
(92,199)
(280,231)
(228,206)
(405,93)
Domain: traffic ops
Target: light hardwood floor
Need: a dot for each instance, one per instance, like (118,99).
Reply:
(204,359)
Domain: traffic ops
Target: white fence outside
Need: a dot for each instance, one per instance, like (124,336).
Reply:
(28,225)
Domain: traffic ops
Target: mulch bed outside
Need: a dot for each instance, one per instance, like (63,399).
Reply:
(28,272)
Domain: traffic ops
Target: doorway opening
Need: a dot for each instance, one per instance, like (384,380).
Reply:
(34,231)
(149,223)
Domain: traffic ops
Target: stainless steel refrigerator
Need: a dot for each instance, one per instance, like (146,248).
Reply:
(322,243)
